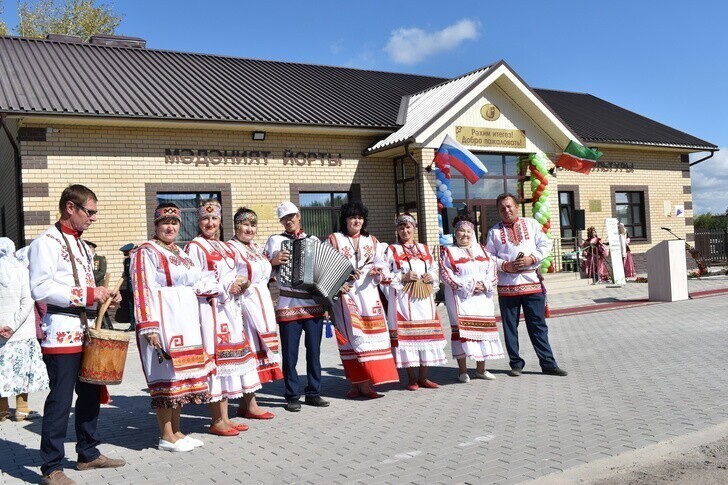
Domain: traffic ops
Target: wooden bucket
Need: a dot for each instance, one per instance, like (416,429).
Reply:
(104,356)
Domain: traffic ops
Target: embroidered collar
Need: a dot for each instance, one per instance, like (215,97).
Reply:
(296,235)
(67,230)
(511,224)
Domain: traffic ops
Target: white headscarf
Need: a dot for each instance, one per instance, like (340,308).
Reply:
(8,262)
(22,255)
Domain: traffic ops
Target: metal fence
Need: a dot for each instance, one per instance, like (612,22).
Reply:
(712,244)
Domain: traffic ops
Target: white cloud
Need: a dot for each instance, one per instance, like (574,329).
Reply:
(413,45)
(336,47)
(710,183)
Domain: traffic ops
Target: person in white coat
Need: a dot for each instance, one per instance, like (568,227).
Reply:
(21,364)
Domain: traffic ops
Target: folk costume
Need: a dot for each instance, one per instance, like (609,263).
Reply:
(595,258)
(162,279)
(223,330)
(297,313)
(472,316)
(21,364)
(415,330)
(256,307)
(61,275)
(521,289)
(627,259)
(359,316)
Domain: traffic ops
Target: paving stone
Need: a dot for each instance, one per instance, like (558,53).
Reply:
(631,383)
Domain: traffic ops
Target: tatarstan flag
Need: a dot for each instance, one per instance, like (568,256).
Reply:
(578,158)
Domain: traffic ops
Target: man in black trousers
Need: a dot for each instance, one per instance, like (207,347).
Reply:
(61,276)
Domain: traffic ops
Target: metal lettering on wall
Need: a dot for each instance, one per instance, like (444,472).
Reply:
(209,157)
(614,167)
(626,167)
(301,159)
(216,157)
(490,137)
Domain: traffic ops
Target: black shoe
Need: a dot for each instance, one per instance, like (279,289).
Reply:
(293,405)
(317,401)
(515,372)
(555,371)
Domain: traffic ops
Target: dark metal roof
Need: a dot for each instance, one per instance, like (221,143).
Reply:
(44,77)
(49,77)
(599,121)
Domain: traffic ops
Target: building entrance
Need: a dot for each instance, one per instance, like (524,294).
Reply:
(479,198)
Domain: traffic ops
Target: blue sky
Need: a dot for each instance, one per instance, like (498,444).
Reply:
(666,60)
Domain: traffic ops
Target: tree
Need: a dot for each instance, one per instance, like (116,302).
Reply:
(3,28)
(711,221)
(70,17)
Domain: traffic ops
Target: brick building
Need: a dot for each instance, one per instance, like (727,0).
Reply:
(139,126)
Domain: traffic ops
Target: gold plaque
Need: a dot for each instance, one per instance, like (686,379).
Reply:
(265,211)
(490,137)
(490,112)
(595,206)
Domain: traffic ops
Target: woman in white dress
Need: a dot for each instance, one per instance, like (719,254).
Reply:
(223,332)
(414,326)
(256,306)
(174,362)
(359,316)
(470,277)
(21,364)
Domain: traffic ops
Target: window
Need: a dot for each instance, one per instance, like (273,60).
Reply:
(566,214)
(630,211)
(188,203)
(405,185)
(479,198)
(320,211)
(502,177)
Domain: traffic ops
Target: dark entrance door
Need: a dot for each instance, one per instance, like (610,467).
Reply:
(485,214)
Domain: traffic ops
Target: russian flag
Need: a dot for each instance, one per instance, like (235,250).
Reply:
(457,156)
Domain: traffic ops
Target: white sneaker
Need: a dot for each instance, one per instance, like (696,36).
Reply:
(179,445)
(464,377)
(485,375)
(193,441)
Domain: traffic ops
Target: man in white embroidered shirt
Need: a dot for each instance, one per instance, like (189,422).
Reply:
(519,245)
(297,313)
(61,275)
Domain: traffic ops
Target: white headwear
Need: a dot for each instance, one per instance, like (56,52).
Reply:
(285,209)
(8,262)
(22,255)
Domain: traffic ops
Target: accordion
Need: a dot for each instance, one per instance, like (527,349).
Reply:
(314,267)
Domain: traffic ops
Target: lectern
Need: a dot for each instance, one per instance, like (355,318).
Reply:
(667,272)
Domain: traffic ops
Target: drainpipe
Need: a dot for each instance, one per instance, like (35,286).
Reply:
(712,152)
(421,224)
(18,181)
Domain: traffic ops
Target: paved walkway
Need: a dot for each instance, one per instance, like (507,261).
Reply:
(639,374)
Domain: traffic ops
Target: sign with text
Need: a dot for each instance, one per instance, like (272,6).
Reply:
(211,156)
(490,137)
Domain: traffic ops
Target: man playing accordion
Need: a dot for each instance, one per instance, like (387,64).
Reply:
(297,313)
